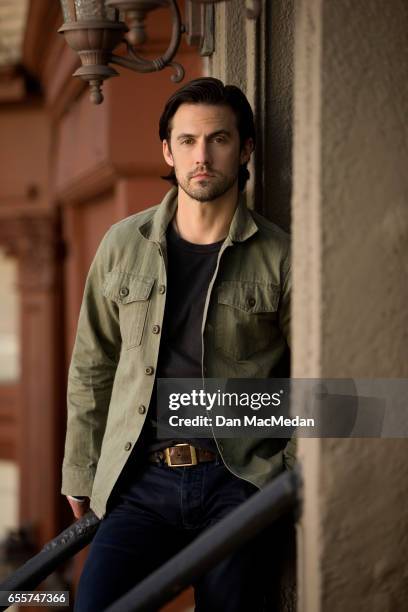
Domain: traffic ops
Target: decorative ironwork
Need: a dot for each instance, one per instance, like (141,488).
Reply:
(93,29)
(135,62)
(136,12)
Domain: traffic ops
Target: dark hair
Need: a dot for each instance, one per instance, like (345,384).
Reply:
(208,90)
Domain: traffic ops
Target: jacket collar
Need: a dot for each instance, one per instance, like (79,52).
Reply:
(155,228)
(242,225)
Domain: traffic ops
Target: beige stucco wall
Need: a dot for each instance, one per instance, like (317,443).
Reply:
(350,229)
(364,186)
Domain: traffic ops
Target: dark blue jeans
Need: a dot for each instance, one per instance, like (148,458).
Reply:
(156,511)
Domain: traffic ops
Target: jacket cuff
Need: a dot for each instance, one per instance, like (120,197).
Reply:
(77,481)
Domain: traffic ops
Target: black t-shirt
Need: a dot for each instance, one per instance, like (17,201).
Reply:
(189,272)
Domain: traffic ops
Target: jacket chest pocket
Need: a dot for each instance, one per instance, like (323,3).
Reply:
(245,317)
(132,293)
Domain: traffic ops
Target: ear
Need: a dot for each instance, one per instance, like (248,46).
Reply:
(246,151)
(167,154)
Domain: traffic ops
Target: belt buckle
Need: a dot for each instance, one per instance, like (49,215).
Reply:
(193,455)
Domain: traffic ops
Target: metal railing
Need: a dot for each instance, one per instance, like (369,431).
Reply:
(239,527)
(65,545)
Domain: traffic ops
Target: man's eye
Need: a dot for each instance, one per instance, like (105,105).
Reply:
(187,141)
(219,139)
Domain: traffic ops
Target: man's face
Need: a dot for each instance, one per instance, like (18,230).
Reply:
(204,150)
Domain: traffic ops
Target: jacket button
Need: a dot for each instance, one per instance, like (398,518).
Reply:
(149,370)
(124,291)
(156,329)
(162,289)
(142,409)
(128,446)
(251,302)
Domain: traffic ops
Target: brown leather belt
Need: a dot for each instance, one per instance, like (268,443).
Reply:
(181,455)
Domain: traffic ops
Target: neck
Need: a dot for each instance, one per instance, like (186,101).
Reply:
(205,222)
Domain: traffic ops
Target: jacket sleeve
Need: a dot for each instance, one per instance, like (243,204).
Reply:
(90,379)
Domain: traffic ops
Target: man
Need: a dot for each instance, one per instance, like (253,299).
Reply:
(197,286)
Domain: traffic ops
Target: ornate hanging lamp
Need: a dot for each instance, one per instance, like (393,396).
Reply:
(93,29)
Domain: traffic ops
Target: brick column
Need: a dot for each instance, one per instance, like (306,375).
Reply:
(34,240)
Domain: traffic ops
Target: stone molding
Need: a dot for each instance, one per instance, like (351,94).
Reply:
(34,240)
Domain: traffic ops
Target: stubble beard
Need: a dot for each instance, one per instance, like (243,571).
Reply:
(206,190)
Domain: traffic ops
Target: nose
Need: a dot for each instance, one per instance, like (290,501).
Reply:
(203,157)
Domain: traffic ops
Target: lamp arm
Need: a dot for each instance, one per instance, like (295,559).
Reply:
(148,65)
(140,64)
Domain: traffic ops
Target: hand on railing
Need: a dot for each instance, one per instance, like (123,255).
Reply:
(79,506)
(65,545)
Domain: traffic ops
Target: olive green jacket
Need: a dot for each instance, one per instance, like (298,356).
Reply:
(245,331)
